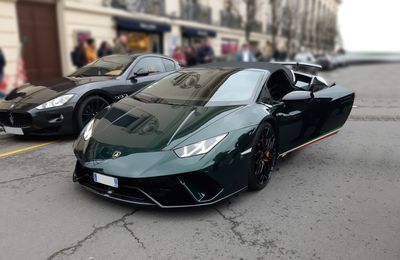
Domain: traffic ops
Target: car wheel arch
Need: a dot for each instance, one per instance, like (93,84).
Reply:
(274,124)
(87,95)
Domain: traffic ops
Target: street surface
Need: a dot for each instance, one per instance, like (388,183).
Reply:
(336,199)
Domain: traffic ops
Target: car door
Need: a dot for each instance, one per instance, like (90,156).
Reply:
(331,107)
(139,78)
(289,117)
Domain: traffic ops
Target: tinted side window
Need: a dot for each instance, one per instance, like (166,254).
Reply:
(169,65)
(151,64)
(303,81)
(265,96)
(317,85)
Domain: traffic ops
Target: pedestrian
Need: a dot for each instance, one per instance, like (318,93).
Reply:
(191,58)
(206,52)
(90,50)
(121,45)
(245,54)
(78,55)
(3,85)
(2,65)
(179,55)
(104,49)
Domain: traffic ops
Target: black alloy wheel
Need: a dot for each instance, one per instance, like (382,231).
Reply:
(89,108)
(263,159)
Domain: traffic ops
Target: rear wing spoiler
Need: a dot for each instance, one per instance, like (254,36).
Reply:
(297,65)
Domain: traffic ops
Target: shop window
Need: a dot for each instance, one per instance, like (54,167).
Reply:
(229,46)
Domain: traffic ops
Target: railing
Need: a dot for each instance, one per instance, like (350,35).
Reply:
(156,7)
(231,20)
(191,10)
(257,27)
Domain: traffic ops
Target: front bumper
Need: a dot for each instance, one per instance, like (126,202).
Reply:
(57,121)
(172,191)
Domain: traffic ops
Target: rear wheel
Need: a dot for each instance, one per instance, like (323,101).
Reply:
(263,157)
(89,108)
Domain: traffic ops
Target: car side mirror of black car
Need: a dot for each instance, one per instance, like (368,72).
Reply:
(298,97)
(140,73)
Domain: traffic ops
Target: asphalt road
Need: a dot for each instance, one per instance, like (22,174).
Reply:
(336,199)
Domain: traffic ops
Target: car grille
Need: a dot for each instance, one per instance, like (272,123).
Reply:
(15,119)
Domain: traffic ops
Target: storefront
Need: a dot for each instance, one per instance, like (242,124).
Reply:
(190,35)
(229,46)
(143,36)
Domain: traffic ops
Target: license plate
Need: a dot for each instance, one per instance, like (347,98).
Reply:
(106,180)
(13,130)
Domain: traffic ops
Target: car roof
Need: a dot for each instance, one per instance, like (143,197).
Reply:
(269,66)
(149,54)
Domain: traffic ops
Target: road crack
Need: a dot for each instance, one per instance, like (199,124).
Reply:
(68,251)
(234,224)
(126,226)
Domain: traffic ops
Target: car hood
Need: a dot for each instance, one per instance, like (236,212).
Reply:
(41,92)
(131,126)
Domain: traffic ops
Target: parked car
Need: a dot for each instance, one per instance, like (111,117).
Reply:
(66,105)
(305,57)
(339,60)
(326,61)
(204,133)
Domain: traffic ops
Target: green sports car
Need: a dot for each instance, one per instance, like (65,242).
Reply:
(202,134)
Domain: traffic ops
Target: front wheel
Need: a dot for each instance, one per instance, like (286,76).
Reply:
(263,157)
(89,108)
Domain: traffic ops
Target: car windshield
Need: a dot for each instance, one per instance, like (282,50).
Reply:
(204,87)
(108,66)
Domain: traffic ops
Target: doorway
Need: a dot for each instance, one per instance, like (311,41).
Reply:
(38,31)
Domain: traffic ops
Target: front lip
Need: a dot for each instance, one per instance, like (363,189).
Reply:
(157,204)
(147,197)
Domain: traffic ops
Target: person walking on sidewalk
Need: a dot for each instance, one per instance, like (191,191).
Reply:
(121,45)
(2,65)
(90,50)
(78,55)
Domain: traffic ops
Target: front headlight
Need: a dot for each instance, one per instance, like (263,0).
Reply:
(199,148)
(56,102)
(87,132)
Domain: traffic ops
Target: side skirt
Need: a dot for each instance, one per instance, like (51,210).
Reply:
(310,142)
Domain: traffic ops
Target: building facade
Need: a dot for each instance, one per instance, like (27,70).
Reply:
(44,32)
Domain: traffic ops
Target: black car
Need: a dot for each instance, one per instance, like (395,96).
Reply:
(65,105)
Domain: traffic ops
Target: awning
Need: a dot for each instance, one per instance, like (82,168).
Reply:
(196,32)
(138,25)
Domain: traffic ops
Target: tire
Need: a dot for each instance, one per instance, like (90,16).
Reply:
(264,153)
(88,108)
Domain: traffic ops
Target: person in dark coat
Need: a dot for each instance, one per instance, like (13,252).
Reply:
(206,52)
(191,58)
(104,49)
(78,55)
(2,65)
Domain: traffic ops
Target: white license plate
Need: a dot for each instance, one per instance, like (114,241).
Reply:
(13,130)
(106,180)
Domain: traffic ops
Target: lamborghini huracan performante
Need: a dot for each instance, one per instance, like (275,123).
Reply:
(205,133)
(66,105)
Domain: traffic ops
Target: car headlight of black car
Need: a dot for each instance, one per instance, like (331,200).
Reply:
(57,102)
(199,148)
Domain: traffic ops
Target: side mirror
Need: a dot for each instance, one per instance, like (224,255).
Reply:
(298,97)
(140,73)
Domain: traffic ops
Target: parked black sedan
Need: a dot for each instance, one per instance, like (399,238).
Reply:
(65,105)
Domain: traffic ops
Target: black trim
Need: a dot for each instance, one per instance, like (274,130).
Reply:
(196,32)
(140,25)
